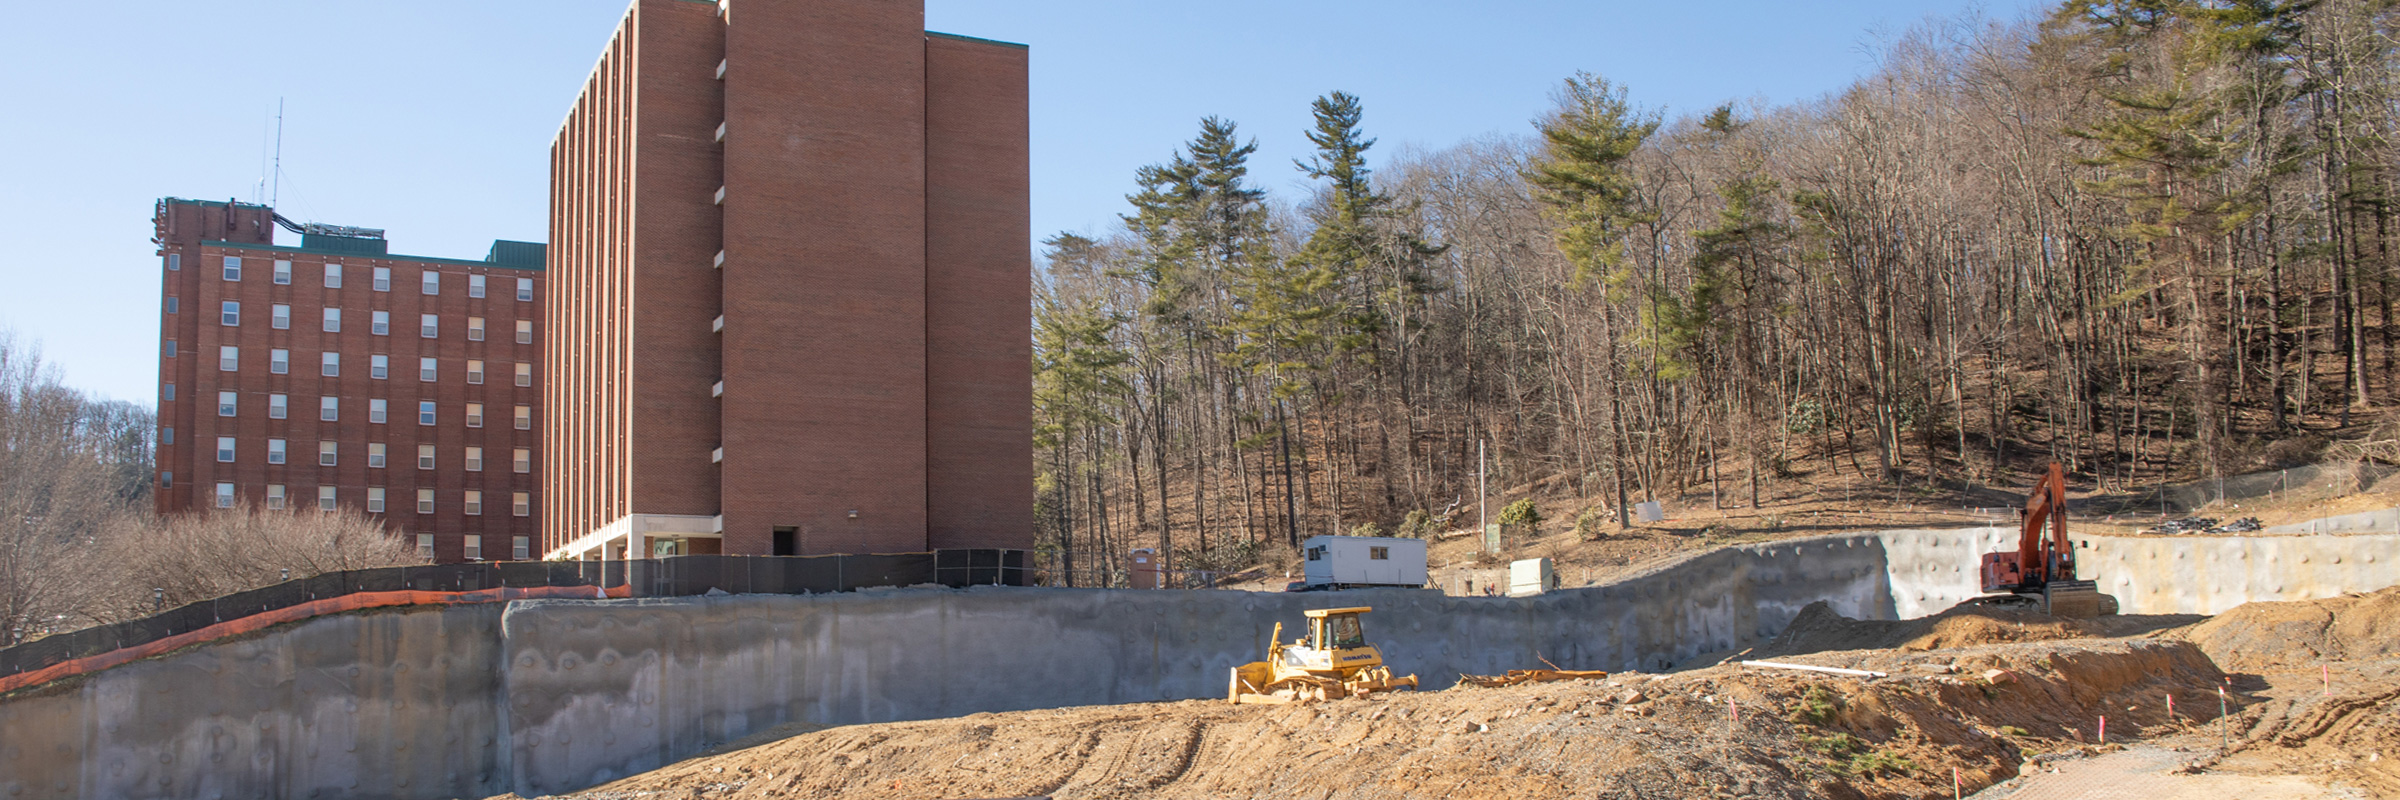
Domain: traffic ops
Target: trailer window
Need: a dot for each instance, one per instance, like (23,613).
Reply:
(1379,553)
(1316,554)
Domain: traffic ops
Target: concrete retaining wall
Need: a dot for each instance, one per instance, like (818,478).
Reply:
(2385,521)
(550,696)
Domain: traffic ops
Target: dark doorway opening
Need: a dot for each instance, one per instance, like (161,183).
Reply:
(787,542)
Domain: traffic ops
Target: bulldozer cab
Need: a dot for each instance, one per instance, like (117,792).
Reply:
(1336,628)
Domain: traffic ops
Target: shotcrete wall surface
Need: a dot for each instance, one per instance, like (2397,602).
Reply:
(555,695)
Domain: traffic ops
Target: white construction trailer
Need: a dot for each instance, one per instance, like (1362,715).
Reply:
(1350,562)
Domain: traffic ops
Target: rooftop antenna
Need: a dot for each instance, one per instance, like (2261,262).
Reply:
(277,192)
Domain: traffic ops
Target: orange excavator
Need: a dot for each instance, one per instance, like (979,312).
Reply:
(2041,571)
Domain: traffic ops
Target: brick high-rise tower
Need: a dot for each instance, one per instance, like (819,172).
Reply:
(790,281)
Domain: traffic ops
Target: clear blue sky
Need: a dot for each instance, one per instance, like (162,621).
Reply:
(433,118)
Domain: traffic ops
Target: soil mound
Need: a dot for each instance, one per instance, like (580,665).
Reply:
(2265,637)
(1819,628)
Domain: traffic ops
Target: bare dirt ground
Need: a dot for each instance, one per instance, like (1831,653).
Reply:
(2008,702)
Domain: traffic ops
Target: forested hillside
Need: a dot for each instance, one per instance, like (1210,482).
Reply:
(2150,239)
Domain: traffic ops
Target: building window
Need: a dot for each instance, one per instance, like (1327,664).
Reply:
(524,290)
(383,279)
(275,451)
(275,494)
(524,331)
(425,544)
(173,305)
(379,367)
(330,364)
(333,320)
(426,368)
(279,317)
(166,480)
(174,262)
(378,410)
(524,418)
(283,273)
(230,314)
(474,329)
(374,499)
(425,412)
(474,503)
(166,393)
(226,402)
(474,459)
(424,501)
(429,326)
(229,358)
(524,459)
(424,456)
(278,406)
(324,498)
(375,454)
(233,268)
(474,370)
(521,548)
(431,285)
(474,415)
(328,453)
(333,276)
(475,286)
(524,374)
(279,361)
(166,436)
(329,409)
(521,504)
(170,348)
(380,323)
(224,449)
(475,542)
(224,495)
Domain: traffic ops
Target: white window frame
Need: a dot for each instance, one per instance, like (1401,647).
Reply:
(521,504)
(425,456)
(426,412)
(524,417)
(428,368)
(279,316)
(474,329)
(429,284)
(333,320)
(380,323)
(283,273)
(229,313)
(279,361)
(379,367)
(327,498)
(524,373)
(379,411)
(329,364)
(233,268)
(521,460)
(524,290)
(229,358)
(376,455)
(225,450)
(333,276)
(520,548)
(424,501)
(275,497)
(229,404)
(374,499)
(329,453)
(473,503)
(329,408)
(383,279)
(279,406)
(475,286)
(474,415)
(474,551)
(474,459)
(429,326)
(474,371)
(524,331)
(276,452)
(225,495)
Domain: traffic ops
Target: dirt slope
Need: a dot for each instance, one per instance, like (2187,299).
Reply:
(2264,637)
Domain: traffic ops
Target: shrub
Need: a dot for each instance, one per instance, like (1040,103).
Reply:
(1367,529)
(1418,524)
(1587,524)
(1521,514)
(1816,707)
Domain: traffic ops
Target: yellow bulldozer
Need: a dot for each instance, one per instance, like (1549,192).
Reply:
(1332,662)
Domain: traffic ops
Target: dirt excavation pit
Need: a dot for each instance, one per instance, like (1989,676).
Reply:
(2007,699)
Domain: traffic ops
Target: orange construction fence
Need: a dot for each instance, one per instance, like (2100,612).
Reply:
(313,608)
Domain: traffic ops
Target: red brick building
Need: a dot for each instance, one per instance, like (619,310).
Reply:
(790,287)
(337,374)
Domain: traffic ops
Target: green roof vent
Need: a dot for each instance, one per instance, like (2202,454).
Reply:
(521,255)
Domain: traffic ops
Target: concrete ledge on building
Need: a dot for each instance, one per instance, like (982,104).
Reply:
(633,535)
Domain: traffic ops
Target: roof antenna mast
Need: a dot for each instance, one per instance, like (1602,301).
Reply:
(277,192)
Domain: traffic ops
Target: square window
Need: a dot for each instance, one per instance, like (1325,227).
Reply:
(378,410)
(521,548)
(374,499)
(333,276)
(275,497)
(523,459)
(383,279)
(474,459)
(524,331)
(474,329)
(174,262)
(329,409)
(166,436)
(173,305)
(474,503)
(229,358)
(524,418)
(474,370)
(278,406)
(424,456)
(170,351)
(380,323)
(1379,554)
(224,495)
(324,498)
(524,290)
(379,367)
(431,284)
(226,402)
(424,501)
(524,374)
(429,326)
(333,320)
(521,504)
(474,415)
(475,286)
(279,361)
(283,273)
(475,542)
(328,454)
(279,317)
(425,545)
(425,412)
(375,454)
(230,314)
(275,451)
(331,364)
(233,268)
(426,369)
(224,449)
